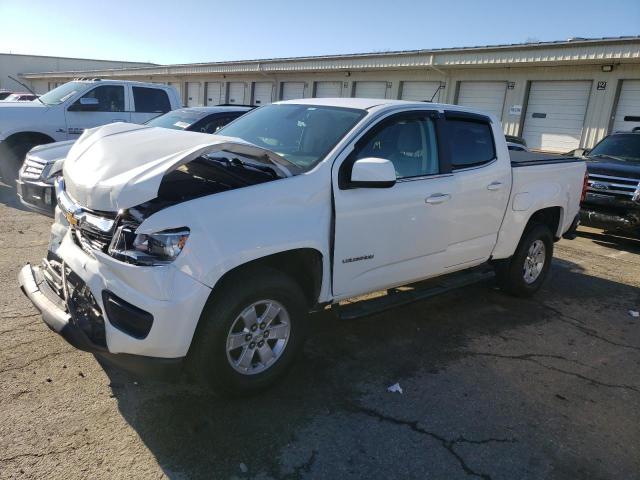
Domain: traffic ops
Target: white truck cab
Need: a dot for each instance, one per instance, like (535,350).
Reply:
(66,111)
(173,247)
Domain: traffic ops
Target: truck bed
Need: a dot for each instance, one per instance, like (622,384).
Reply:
(528,159)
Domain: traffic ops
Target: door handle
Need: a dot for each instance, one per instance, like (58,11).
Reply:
(437,198)
(493,186)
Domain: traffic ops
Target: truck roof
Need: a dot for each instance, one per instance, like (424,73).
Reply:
(378,104)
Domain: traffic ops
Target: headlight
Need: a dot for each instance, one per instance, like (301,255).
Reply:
(158,248)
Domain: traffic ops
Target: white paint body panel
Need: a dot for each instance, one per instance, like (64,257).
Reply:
(408,238)
(555,115)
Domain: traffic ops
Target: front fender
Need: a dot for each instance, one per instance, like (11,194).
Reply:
(232,228)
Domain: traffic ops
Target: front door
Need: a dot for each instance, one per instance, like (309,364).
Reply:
(391,236)
(104,104)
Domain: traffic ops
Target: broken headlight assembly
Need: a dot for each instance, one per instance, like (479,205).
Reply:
(148,249)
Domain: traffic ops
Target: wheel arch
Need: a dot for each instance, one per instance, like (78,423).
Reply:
(303,265)
(18,137)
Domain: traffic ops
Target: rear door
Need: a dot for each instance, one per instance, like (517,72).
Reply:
(101,105)
(148,103)
(482,185)
(391,236)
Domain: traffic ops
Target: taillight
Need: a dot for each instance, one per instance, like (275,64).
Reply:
(585,186)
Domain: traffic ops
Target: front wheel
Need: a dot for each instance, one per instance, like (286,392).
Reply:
(523,274)
(249,333)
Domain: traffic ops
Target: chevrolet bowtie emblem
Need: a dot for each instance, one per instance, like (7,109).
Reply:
(71,219)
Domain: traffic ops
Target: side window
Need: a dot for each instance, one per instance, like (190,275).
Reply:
(470,143)
(110,99)
(410,143)
(151,100)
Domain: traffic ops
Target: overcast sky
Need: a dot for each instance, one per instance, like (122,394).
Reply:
(173,31)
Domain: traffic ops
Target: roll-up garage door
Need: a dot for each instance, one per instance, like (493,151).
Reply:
(193,94)
(214,93)
(292,90)
(178,87)
(262,93)
(328,89)
(485,96)
(420,91)
(236,92)
(371,90)
(555,115)
(627,116)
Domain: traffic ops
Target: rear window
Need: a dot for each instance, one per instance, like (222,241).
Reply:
(470,143)
(151,100)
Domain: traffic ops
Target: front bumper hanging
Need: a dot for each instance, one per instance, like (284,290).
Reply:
(71,323)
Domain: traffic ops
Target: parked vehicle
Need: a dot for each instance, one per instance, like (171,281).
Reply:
(516,144)
(173,247)
(35,184)
(612,201)
(20,97)
(65,112)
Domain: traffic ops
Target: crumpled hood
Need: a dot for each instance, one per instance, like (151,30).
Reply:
(121,165)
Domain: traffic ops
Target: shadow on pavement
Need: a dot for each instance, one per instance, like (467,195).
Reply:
(460,416)
(616,240)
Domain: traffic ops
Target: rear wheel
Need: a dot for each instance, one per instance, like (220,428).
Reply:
(249,333)
(523,274)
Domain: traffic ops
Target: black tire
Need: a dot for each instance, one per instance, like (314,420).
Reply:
(11,158)
(208,360)
(510,272)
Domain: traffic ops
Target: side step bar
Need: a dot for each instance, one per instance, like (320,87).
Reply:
(414,292)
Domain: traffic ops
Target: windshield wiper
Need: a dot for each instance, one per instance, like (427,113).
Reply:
(236,162)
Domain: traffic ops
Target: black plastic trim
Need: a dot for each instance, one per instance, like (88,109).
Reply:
(126,317)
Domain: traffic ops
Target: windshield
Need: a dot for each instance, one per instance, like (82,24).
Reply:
(62,93)
(624,147)
(176,120)
(302,134)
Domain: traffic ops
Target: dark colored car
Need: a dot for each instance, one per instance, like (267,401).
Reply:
(4,94)
(612,201)
(44,162)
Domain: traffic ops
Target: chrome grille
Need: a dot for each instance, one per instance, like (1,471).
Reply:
(33,167)
(89,239)
(613,186)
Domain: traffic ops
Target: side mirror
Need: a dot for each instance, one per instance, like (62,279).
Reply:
(373,173)
(85,104)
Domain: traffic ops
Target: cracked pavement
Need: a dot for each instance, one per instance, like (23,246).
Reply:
(494,387)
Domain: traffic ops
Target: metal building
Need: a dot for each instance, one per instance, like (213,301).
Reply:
(557,95)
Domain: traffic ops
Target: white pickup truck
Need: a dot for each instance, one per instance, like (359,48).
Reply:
(175,247)
(66,111)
